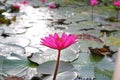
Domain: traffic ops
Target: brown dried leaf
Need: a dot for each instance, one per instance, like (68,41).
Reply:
(13,78)
(105,50)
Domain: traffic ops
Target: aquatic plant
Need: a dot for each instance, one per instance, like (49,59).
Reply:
(93,3)
(58,43)
(117,7)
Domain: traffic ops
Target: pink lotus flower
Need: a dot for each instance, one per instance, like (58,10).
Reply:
(116,3)
(59,43)
(93,2)
(43,1)
(52,5)
(24,2)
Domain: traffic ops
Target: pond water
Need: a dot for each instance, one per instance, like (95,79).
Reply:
(20,41)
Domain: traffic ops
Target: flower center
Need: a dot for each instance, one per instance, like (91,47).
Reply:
(59,39)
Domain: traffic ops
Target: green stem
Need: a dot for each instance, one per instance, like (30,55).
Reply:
(57,65)
(92,14)
(92,17)
(117,13)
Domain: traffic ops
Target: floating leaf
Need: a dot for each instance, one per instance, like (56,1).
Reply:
(1,31)
(48,67)
(85,71)
(7,49)
(16,67)
(103,75)
(2,58)
(82,59)
(109,64)
(68,75)
(69,55)
(22,41)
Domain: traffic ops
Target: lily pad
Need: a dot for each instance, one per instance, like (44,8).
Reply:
(85,71)
(16,67)
(84,44)
(48,67)
(2,58)
(7,49)
(109,64)
(101,77)
(22,41)
(30,49)
(68,55)
(68,75)
(103,74)
(1,31)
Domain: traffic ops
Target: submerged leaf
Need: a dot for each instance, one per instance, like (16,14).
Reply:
(89,37)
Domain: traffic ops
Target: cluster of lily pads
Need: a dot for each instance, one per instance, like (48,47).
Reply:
(67,69)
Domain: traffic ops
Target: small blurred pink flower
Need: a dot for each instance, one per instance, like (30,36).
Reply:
(24,2)
(93,2)
(116,3)
(52,5)
(43,1)
(57,42)
(117,8)
(16,6)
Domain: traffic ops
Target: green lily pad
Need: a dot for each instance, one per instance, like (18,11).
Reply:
(103,74)
(70,54)
(101,77)
(85,71)
(68,75)
(108,63)
(2,58)
(15,65)
(49,67)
